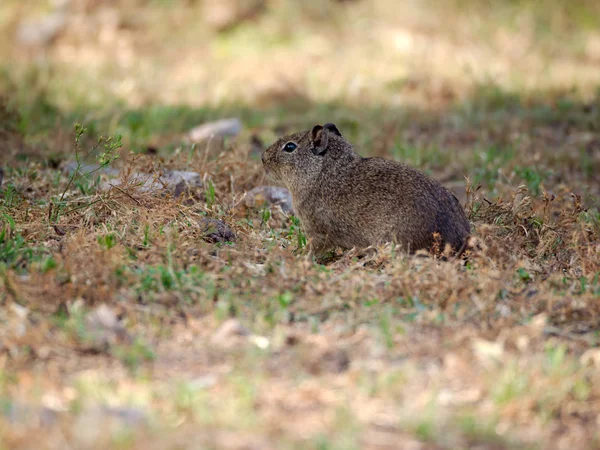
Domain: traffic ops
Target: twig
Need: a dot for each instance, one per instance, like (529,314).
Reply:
(83,206)
(126,193)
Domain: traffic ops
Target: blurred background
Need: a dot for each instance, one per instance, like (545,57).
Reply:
(403,79)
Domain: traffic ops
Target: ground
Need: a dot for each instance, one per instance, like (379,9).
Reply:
(131,319)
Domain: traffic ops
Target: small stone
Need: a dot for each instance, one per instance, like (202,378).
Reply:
(488,352)
(203,382)
(43,31)
(15,318)
(272,195)
(104,328)
(260,341)
(330,360)
(214,230)
(103,317)
(177,182)
(48,417)
(230,333)
(89,168)
(219,128)
(591,357)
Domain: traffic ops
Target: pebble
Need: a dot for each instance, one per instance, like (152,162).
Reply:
(215,230)
(271,195)
(219,128)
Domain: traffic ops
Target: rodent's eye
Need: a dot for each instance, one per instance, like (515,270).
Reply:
(290,147)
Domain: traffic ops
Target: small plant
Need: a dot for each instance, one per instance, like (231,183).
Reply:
(146,242)
(385,324)
(265,216)
(424,430)
(591,217)
(210,194)
(134,355)
(10,197)
(555,357)
(297,233)
(168,278)
(105,152)
(163,278)
(73,323)
(285,299)
(86,185)
(107,241)
(587,163)
(532,177)
(48,264)
(371,302)
(15,251)
(509,385)
(523,275)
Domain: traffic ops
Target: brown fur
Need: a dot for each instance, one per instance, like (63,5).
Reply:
(345,200)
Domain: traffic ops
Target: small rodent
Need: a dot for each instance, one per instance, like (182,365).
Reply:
(345,200)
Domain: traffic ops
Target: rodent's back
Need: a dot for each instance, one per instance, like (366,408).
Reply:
(374,200)
(429,206)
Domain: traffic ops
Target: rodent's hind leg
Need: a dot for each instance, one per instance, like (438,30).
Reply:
(324,252)
(318,246)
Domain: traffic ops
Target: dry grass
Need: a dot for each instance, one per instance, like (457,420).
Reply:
(252,344)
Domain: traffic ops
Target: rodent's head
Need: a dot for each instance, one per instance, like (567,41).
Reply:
(296,159)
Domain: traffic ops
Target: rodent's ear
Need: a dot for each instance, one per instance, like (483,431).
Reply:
(315,130)
(320,140)
(331,127)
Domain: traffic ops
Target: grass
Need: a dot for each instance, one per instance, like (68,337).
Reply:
(252,342)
